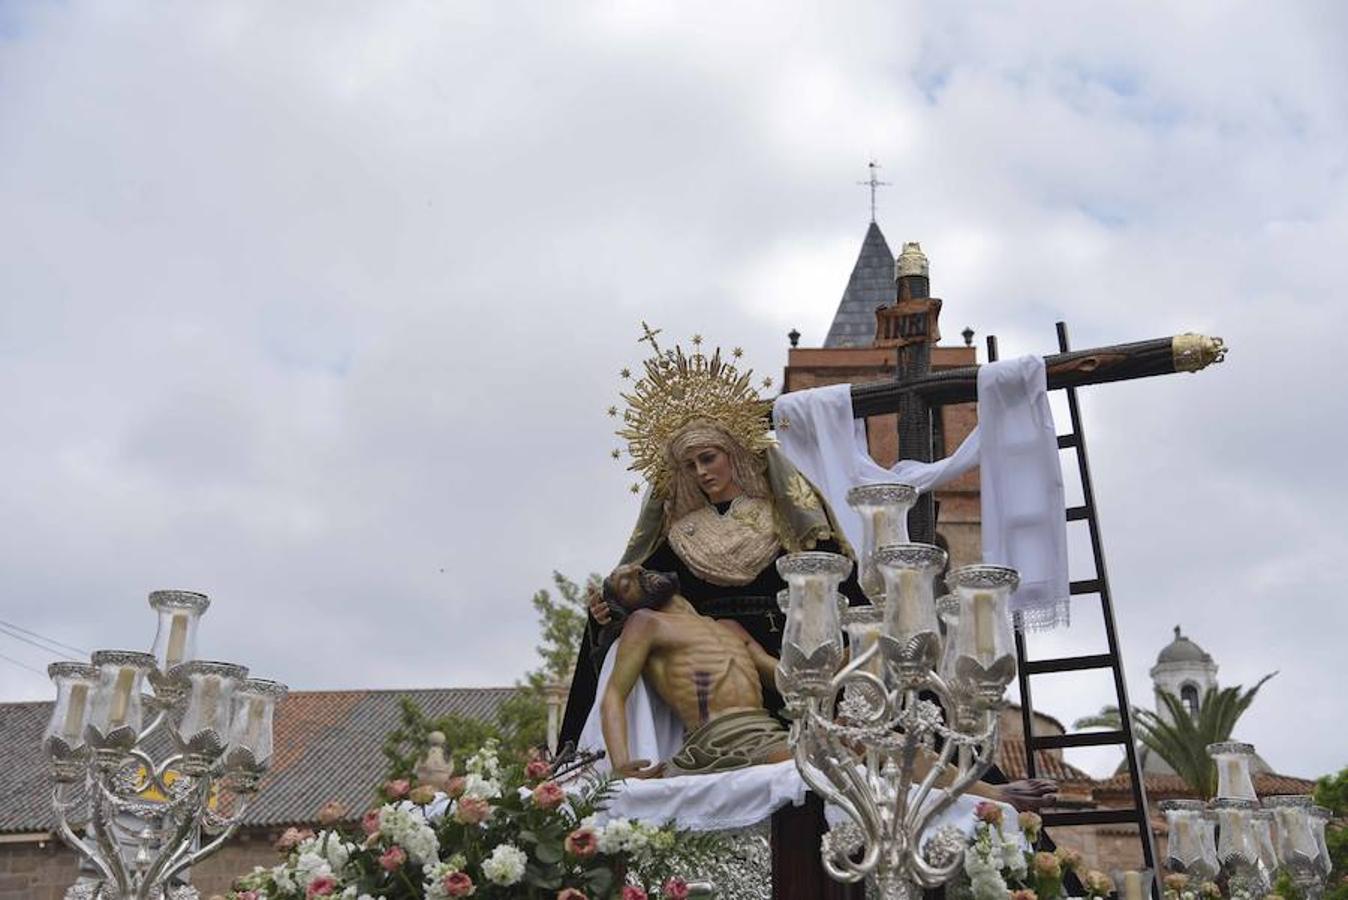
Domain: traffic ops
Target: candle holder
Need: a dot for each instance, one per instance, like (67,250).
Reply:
(1191,849)
(1298,849)
(884,521)
(868,755)
(97,748)
(1133,884)
(1232,759)
(980,653)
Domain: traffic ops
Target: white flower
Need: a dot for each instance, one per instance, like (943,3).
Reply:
(405,825)
(505,866)
(483,788)
(484,761)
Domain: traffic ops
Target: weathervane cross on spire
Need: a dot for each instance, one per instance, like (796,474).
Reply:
(873,182)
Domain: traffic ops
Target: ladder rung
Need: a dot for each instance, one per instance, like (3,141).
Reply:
(1067,440)
(1068,664)
(1089,586)
(1091,817)
(1081,739)
(1077,513)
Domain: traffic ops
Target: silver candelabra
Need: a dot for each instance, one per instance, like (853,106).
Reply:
(148,821)
(917,723)
(1244,838)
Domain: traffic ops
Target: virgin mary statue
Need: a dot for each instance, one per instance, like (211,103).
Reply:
(722,503)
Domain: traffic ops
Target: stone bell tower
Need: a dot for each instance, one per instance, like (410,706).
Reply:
(887,304)
(1185,670)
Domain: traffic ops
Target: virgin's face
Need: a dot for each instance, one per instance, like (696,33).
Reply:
(710,466)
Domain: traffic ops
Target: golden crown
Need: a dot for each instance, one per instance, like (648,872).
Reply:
(679,388)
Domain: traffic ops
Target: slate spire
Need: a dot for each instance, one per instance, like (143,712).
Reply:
(871,285)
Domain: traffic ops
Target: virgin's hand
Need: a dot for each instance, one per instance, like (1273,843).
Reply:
(598,608)
(640,768)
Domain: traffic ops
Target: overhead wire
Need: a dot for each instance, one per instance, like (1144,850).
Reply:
(12,661)
(52,641)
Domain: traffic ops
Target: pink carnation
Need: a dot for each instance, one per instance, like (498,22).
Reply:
(571,894)
(537,769)
(549,795)
(393,858)
(369,823)
(458,884)
(246,895)
(456,786)
(632,892)
(397,788)
(292,838)
(1024,895)
(321,886)
(675,889)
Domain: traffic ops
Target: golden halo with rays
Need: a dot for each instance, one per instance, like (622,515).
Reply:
(677,388)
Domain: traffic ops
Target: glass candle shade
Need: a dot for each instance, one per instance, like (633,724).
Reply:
(863,625)
(76,686)
(980,651)
(1232,759)
(1189,850)
(254,712)
(884,520)
(1264,828)
(1320,817)
(179,612)
(210,690)
(1133,884)
(812,636)
(1237,843)
(1298,850)
(911,639)
(117,700)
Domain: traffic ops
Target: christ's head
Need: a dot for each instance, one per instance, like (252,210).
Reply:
(630,588)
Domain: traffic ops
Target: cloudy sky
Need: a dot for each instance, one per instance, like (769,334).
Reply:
(317,307)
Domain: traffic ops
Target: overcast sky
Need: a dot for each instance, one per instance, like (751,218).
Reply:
(317,307)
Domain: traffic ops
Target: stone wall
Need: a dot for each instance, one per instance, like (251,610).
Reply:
(42,869)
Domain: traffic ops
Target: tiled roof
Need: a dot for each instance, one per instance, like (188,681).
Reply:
(328,746)
(1161,786)
(1011,760)
(871,285)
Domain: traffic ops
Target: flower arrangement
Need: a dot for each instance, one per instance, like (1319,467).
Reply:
(499,831)
(999,867)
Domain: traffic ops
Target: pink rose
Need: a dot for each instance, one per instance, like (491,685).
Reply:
(422,794)
(458,884)
(675,889)
(631,892)
(1024,895)
(331,813)
(397,788)
(989,812)
(1046,865)
(292,838)
(369,823)
(1176,882)
(537,769)
(571,894)
(549,795)
(1030,823)
(472,810)
(1068,859)
(246,895)
(455,787)
(582,843)
(321,886)
(393,858)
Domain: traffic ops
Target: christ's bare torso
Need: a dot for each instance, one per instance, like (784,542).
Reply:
(701,668)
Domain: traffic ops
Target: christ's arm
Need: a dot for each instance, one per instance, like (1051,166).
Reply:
(638,637)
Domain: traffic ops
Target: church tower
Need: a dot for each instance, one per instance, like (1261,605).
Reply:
(1185,670)
(883,299)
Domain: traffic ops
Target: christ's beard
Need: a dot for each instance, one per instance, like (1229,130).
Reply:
(657,588)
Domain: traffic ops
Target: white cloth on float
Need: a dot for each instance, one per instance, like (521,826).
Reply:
(1020,478)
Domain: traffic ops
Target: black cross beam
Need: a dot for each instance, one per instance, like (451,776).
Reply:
(919,392)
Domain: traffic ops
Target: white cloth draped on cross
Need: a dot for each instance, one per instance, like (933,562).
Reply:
(1020,479)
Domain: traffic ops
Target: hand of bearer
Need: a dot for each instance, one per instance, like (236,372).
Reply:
(598,608)
(640,768)
(1030,794)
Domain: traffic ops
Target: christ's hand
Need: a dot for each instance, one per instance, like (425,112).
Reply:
(640,768)
(1030,794)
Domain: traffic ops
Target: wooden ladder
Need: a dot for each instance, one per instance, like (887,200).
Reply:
(1112,660)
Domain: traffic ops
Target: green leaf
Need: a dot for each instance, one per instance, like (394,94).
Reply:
(548,854)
